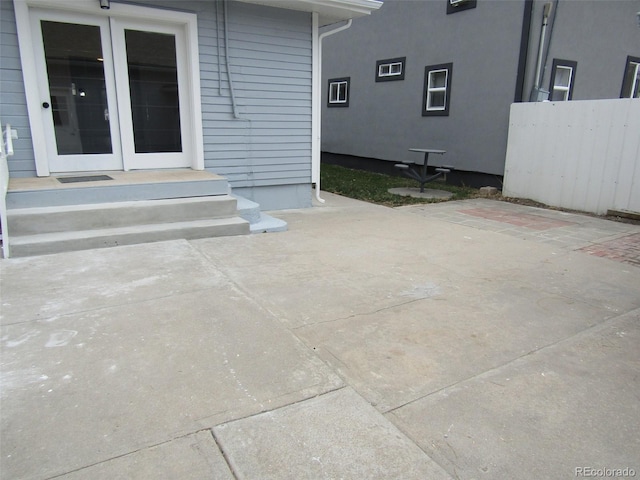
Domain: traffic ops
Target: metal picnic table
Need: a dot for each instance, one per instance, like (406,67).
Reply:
(421,175)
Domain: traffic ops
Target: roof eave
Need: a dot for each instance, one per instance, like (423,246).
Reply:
(329,11)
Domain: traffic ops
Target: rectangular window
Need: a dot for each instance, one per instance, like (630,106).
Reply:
(339,92)
(455,6)
(437,90)
(390,69)
(562,80)
(631,79)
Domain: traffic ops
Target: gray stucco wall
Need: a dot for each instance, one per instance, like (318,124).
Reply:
(384,119)
(598,35)
(270,62)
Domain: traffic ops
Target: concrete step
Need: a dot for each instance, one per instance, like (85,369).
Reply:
(41,220)
(247,209)
(56,242)
(268,224)
(122,187)
(259,222)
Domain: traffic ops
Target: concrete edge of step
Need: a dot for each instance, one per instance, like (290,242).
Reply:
(258,222)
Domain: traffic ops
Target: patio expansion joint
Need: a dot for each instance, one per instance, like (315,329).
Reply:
(592,329)
(225,454)
(132,452)
(295,402)
(362,314)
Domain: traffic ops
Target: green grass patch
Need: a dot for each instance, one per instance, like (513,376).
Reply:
(373,187)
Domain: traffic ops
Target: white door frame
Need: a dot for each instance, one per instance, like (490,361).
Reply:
(193,141)
(133,160)
(79,162)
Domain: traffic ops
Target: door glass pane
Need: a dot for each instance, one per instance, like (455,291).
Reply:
(153,82)
(73,55)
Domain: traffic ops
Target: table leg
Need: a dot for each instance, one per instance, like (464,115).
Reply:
(424,171)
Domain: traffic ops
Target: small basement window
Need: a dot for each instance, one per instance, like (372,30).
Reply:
(390,69)
(437,90)
(339,92)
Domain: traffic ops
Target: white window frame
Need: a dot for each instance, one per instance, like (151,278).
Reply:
(335,86)
(386,69)
(390,69)
(632,71)
(635,89)
(560,88)
(431,90)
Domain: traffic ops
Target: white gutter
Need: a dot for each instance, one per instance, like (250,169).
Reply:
(316,117)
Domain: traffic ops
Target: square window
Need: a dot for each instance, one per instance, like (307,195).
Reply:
(338,92)
(631,79)
(437,90)
(562,80)
(390,69)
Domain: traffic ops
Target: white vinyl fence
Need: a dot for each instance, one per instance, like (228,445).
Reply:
(580,155)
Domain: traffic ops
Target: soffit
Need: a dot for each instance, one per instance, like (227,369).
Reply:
(329,11)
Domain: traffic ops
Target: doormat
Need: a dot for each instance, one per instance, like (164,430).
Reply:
(92,178)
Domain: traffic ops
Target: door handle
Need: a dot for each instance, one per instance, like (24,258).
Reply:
(45,104)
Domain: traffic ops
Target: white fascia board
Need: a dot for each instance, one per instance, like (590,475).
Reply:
(329,11)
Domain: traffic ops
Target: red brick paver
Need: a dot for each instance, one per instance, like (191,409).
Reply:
(526,220)
(624,249)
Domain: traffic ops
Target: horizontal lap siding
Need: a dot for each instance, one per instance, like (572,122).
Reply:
(13,107)
(270,63)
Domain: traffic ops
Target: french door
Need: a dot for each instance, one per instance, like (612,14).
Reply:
(113,92)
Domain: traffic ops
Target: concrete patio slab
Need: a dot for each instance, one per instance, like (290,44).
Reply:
(557,413)
(192,457)
(117,379)
(361,324)
(399,354)
(337,435)
(50,285)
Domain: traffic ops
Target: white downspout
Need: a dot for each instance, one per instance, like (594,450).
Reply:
(316,81)
(543,33)
(234,105)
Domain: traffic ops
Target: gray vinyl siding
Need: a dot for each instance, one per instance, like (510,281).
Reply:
(270,63)
(13,106)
